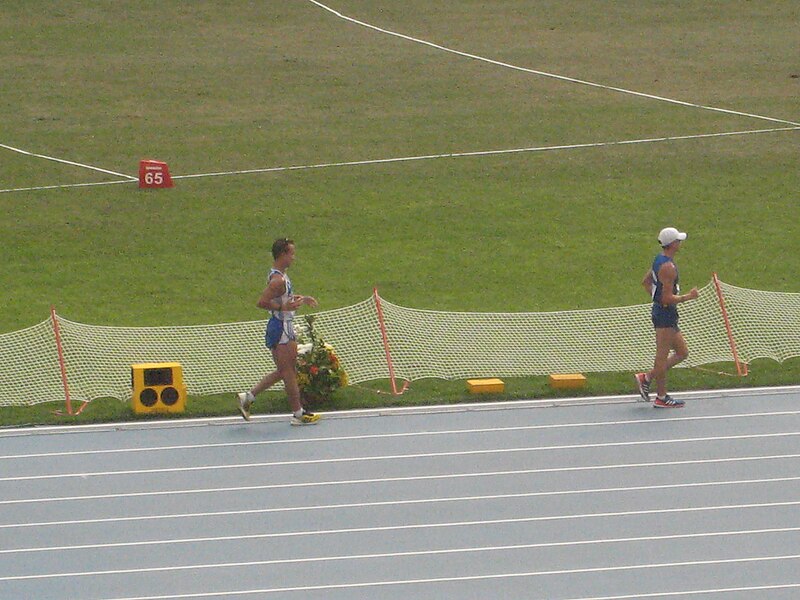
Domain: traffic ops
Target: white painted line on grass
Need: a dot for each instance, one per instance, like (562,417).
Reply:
(421,157)
(69,162)
(481,153)
(545,73)
(436,500)
(307,440)
(64,186)
(358,459)
(332,586)
(416,158)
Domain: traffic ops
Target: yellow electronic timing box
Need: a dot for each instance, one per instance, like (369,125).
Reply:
(567,381)
(158,387)
(486,386)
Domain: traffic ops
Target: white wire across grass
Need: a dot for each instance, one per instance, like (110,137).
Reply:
(545,73)
(792,125)
(67,162)
(401,159)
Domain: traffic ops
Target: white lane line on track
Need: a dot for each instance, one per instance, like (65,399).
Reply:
(374,436)
(373,481)
(517,520)
(683,593)
(254,563)
(358,459)
(697,592)
(544,73)
(262,536)
(409,553)
(749,393)
(359,505)
(69,162)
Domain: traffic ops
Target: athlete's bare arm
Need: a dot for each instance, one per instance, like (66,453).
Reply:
(666,275)
(271,296)
(647,283)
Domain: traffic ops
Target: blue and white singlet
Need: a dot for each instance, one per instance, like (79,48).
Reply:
(280,327)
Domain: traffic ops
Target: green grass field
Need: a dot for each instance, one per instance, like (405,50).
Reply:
(218,86)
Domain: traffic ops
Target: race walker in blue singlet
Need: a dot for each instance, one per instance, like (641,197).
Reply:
(671,347)
(663,315)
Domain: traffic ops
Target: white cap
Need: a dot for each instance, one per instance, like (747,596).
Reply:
(669,234)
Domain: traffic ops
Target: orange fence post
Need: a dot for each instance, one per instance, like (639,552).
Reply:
(741,368)
(61,363)
(385,339)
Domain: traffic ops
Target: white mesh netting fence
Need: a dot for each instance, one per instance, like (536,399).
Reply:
(29,371)
(765,324)
(230,357)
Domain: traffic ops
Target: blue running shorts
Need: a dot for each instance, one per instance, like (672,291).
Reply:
(665,316)
(278,332)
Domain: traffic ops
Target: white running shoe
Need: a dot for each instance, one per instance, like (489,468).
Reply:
(245,402)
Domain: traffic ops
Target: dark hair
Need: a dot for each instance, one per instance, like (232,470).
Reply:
(281,246)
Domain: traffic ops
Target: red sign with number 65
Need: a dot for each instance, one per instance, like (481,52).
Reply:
(154,174)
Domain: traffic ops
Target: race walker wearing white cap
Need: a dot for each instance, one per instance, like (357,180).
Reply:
(665,315)
(668,235)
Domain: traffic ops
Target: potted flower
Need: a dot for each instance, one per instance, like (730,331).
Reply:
(319,371)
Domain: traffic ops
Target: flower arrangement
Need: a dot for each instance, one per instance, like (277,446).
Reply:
(319,372)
